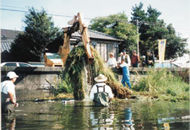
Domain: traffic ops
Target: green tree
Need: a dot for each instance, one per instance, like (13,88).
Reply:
(38,33)
(151,28)
(117,25)
(175,44)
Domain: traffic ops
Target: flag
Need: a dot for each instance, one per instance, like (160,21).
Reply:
(161,49)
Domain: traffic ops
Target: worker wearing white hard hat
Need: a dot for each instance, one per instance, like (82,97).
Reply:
(8,95)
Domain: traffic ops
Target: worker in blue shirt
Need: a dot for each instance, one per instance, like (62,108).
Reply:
(125,72)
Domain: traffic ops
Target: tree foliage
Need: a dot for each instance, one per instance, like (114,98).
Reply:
(117,25)
(39,32)
(151,28)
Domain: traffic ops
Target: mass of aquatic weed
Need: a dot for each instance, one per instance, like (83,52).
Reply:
(73,75)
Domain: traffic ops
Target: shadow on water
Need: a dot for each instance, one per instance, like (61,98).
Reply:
(76,115)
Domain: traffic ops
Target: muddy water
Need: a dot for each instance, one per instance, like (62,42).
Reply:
(123,115)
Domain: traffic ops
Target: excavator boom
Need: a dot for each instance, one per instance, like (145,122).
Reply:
(77,25)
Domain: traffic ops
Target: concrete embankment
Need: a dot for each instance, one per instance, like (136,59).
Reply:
(33,83)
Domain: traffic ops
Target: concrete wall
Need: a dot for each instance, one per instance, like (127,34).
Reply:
(33,83)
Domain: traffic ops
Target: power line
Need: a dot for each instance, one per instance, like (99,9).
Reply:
(24,11)
(10,6)
(16,10)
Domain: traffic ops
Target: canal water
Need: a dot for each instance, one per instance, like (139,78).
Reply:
(122,115)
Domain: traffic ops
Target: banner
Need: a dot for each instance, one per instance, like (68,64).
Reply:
(161,49)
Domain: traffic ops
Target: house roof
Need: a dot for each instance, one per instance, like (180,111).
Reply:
(97,35)
(11,34)
(7,34)
(6,45)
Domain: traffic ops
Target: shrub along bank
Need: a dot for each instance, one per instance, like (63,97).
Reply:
(163,84)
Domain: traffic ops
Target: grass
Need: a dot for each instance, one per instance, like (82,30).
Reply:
(164,85)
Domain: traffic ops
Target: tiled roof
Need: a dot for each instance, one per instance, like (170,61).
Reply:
(6,45)
(97,35)
(7,37)
(9,34)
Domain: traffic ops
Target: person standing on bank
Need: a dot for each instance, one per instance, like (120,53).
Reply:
(8,95)
(119,58)
(149,59)
(125,72)
(126,57)
(101,93)
(135,59)
(112,63)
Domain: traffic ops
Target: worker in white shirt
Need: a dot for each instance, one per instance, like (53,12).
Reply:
(112,63)
(119,58)
(8,95)
(127,58)
(101,87)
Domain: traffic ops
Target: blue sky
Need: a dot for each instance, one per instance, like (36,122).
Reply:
(173,11)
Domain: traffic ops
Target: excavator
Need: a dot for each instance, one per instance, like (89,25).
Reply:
(88,74)
(60,58)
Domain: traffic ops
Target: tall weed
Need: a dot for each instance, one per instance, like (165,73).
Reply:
(163,82)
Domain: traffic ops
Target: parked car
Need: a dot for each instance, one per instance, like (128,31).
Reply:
(37,64)
(15,64)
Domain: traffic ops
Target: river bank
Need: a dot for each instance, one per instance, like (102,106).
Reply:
(155,85)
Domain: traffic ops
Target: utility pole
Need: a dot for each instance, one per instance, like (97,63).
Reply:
(138,53)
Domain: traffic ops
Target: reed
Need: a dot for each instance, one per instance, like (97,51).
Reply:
(163,84)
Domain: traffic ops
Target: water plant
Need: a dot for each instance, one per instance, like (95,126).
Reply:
(77,67)
(163,84)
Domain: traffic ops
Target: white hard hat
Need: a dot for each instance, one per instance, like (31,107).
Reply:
(12,75)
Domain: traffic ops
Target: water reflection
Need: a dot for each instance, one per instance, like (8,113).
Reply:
(128,120)
(8,121)
(124,116)
(102,118)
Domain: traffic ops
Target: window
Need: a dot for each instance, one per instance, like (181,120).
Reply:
(10,64)
(23,65)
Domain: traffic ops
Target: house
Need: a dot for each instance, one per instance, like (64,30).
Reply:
(103,43)
(7,37)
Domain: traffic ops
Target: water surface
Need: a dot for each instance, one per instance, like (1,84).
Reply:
(133,114)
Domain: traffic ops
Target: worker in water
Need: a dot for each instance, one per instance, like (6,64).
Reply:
(8,95)
(101,93)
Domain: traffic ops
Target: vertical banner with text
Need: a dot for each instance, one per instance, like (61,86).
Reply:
(161,49)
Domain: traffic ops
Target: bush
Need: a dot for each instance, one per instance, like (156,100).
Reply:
(162,82)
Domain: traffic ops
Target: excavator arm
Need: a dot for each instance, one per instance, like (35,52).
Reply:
(64,50)
(77,24)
